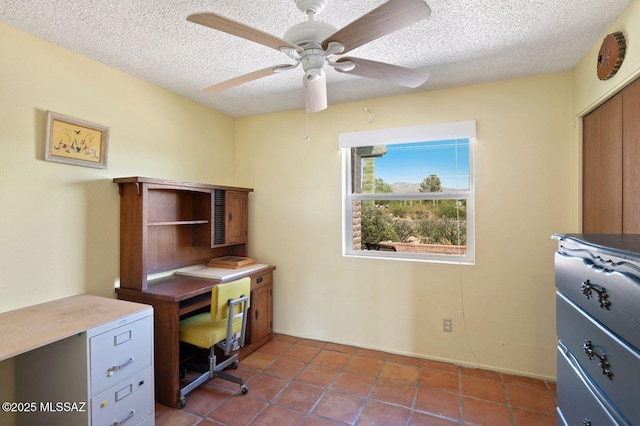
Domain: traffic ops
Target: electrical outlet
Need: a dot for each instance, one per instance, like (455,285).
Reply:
(447,325)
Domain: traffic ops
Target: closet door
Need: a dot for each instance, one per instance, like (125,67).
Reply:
(602,169)
(631,159)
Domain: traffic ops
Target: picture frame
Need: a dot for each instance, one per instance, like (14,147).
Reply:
(74,141)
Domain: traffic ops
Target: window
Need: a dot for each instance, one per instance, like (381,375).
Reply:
(408,193)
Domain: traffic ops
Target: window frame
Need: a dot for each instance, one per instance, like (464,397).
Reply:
(460,130)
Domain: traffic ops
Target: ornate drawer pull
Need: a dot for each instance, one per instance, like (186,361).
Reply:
(603,297)
(115,368)
(604,364)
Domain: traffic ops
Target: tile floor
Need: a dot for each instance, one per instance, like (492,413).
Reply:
(296,381)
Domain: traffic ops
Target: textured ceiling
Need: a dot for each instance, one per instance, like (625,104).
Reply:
(463,42)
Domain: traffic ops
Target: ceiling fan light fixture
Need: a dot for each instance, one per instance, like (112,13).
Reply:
(315,90)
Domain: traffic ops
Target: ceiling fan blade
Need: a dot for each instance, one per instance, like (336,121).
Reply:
(315,90)
(387,18)
(247,78)
(385,72)
(220,23)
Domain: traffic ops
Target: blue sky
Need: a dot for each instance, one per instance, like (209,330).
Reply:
(414,161)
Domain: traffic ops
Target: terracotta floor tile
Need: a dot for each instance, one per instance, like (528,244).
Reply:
(294,381)
(439,379)
(533,418)
(524,381)
(285,338)
(483,389)
(439,403)
(436,365)
(175,417)
(283,367)
(401,372)
(302,353)
(319,421)
(331,359)
(423,419)
(480,412)
(380,414)
(339,406)
(364,365)
(317,375)
(403,359)
(340,348)
(394,392)
(482,374)
(257,361)
(357,384)
(300,396)
(275,347)
(311,342)
(266,387)
(530,398)
(205,398)
(371,353)
(239,410)
(276,415)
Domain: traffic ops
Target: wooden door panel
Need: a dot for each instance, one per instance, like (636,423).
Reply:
(631,159)
(602,169)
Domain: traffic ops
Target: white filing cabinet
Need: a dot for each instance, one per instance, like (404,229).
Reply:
(100,376)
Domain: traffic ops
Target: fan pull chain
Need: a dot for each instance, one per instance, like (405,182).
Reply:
(307,137)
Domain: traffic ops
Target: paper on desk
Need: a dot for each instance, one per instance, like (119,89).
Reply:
(203,271)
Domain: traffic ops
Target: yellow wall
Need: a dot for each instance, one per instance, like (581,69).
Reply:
(523,193)
(59,224)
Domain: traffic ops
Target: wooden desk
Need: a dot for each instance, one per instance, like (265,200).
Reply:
(178,295)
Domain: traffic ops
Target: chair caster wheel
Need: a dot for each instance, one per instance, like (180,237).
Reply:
(244,389)
(234,366)
(183,402)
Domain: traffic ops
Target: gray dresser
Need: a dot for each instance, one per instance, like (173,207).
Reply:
(598,326)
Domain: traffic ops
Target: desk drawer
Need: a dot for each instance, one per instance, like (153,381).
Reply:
(610,296)
(262,279)
(119,352)
(578,401)
(616,375)
(130,400)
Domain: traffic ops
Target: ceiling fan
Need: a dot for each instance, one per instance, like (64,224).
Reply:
(314,44)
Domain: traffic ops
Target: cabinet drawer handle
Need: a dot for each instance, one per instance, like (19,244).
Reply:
(121,422)
(259,280)
(586,422)
(257,314)
(604,364)
(115,368)
(603,297)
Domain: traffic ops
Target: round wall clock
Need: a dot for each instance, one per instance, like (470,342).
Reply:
(611,55)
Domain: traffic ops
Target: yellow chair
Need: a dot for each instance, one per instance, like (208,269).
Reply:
(219,328)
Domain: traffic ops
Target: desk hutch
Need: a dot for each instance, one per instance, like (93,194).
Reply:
(166,225)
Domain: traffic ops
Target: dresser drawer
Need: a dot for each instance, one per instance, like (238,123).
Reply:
(579,401)
(613,366)
(119,352)
(612,297)
(129,401)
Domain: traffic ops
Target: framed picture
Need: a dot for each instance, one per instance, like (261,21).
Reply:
(74,141)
